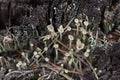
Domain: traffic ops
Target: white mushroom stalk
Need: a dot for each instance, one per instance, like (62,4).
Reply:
(71,38)
(56,46)
(77,23)
(60,30)
(79,45)
(51,30)
(86,23)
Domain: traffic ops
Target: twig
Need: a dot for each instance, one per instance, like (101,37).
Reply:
(13,72)
(92,69)
(66,76)
(62,44)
